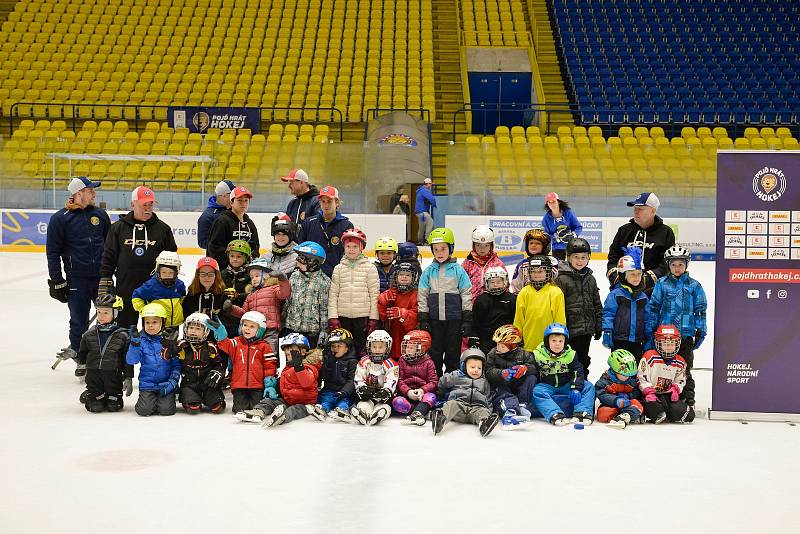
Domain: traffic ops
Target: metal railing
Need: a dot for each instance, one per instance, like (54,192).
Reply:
(75,112)
(610,120)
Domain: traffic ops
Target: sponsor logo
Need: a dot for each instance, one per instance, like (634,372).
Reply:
(139,251)
(201,121)
(396,139)
(769,184)
(130,242)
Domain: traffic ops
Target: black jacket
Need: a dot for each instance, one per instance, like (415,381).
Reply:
(304,205)
(225,229)
(337,374)
(207,303)
(131,249)
(655,241)
(582,303)
(197,361)
(495,363)
(241,283)
(490,312)
(76,237)
(105,351)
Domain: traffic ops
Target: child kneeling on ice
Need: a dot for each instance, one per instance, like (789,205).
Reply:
(416,390)
(338,371)
(298,386)
(618,391)
(375,380)
(467,394)
(561,374)
(512,374)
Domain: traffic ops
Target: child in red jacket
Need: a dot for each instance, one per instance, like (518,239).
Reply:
(264,298)
(254,362)
(397,306)
(416,389)
(298,386)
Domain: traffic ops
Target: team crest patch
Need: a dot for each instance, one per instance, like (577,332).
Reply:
(769,184)
(335,240)
(94,220)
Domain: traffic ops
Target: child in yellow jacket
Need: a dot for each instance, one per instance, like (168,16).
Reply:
(539,303)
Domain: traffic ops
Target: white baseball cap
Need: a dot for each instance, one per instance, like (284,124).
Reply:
(80,182)
(224,187)
(645,199)
(297,174)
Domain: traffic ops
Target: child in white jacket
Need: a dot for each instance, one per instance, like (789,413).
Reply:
(353,297)
(376,380)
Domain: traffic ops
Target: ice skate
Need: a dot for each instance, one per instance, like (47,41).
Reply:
(488,424)
(82,398)
(276,418)
(359,416)
(620,421)
(381,413)
(559,420)
(250,416)
(660,418)
(317,411)
(510,421)
(523,414)
(582,417)
(438,420)
(415,418)
(338,414)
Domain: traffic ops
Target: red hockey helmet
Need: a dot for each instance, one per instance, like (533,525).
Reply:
(665,333)
(415,345)
(358,235)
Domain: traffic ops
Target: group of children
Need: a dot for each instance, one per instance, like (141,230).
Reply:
(448,343)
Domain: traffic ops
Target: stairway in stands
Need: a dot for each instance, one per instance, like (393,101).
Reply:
(549,67)
(449,91)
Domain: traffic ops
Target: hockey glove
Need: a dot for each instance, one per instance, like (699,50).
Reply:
(136,339)
(675,393)
(382,395)
(507,374)
(105,287)
(127,386)
(213,379)
(227,305)
(622,402)
(574,396)
(270,385)
(59,290)
(699,337)
(217,329)
(333,324)
(297,360)
(650,394)
(365,392)
(607,341)
(520,370)
(393,312)
(424,321)
(166,388)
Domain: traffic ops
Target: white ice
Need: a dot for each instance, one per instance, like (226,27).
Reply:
(65,470)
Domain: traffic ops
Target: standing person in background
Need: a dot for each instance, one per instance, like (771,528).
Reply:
(76,237)
(326,227)
(131,248)
(217,203)
(423,209)
(305,202)
(233,224)
(646,231)
(402,208)
(560,223)
(395,198)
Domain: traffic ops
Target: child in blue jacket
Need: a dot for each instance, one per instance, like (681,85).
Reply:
(618,391)
(679,299)
(164,288)
(625,308)
(444,297)
(158,375)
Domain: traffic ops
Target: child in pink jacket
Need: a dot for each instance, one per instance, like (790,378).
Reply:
(481,258)
(418,379)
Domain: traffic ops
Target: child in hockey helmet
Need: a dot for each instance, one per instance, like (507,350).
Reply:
(379,344)
(202,369)
(167,266)
(495,280)
(404,277)
(337,375)
(195,328)
(662,379)
(618,391)
(107,307)
(481,258)
(386,253)
(667,340)
(354,241)
(163,288)
(239,253)
(408,252)
(310,256)
(283,230)
(375,380)
(442,243)
(677,259)
(512,373)
(418,379)
(539,271)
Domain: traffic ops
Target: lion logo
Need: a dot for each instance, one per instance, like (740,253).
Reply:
(768,182)
(201,121)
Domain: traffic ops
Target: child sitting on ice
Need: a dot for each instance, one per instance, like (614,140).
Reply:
(618,391)
(512,373)
(375,380)
(339,361)
(662,377)
(416,389)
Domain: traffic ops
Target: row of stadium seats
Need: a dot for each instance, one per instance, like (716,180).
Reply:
(493,23)
(733,63)
(349,54)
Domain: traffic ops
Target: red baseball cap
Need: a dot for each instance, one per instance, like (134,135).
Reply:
(241,191)
(551,196)
(208,262)
(143,194)
(297,174)
(329,191)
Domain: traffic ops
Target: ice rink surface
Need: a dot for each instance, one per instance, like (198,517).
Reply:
(65,470)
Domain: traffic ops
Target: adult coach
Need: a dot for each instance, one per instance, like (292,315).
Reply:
(326,228)
(131,248)
(305,202)
(646,231)
(232,224)
(76,237)
(217,203)
(423,209)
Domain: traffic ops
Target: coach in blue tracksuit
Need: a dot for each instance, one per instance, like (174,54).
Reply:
(217,203)
(423,209)
(76,237)
(326,228)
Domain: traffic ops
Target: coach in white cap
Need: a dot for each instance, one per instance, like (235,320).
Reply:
(131,248)
(646,231)
(306,196)
(217,203)
(75,238)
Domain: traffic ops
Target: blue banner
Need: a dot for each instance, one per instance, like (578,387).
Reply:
(200,118)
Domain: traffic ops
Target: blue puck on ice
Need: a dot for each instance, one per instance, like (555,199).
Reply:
(578,426)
